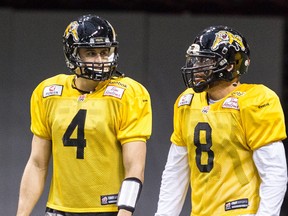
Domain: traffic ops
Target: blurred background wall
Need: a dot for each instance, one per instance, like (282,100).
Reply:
(153,39)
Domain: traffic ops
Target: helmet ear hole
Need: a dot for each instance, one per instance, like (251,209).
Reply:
(230,67)
(224,50)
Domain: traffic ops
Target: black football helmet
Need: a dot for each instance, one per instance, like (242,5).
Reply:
(95,32)
(217,53)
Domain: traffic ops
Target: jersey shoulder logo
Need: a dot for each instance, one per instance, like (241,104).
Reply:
(238,93)
(231,103)
(114,91)
(52,90)
(185,100)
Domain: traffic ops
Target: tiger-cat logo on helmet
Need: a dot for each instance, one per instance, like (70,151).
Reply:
(72,30)
(226,37)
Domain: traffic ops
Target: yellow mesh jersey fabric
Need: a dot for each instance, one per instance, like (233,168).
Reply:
(87,131)
(220,139)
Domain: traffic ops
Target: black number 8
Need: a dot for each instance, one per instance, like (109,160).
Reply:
(203,147)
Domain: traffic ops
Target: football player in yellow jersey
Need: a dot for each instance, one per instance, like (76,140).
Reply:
(94,124)
(227,138)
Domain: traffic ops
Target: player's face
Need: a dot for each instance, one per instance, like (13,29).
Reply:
(92,56)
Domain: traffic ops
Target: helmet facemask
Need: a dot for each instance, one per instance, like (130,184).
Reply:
(97,71)
(201,69)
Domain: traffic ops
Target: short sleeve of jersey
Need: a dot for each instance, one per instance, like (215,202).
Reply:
(136,124)
(182,101)
(262,117)
(37,111)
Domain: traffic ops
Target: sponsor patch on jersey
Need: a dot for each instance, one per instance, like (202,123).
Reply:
(114,91)
(236,204)
(52,90)
(185,100)
(109,199)
(231,103)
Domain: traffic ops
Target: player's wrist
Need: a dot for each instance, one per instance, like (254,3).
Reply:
(123,212)
(129,194)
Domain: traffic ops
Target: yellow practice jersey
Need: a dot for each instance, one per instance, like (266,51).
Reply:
(87,133)
(220,139)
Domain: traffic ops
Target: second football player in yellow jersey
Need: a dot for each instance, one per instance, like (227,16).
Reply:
(227,139)
(94,124)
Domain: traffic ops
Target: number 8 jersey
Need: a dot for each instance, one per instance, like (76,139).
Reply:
(220,139)
(87,131)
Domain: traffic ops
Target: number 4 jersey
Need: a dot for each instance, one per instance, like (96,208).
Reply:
(220,139)
(87,131)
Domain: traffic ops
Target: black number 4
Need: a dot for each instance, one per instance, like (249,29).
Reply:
(79,122)
(203,147)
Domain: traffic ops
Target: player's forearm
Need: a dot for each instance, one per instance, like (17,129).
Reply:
(134,158)
(271,200)
(271,164)
(175,181)
(123,212)
(31,188)
(134,155)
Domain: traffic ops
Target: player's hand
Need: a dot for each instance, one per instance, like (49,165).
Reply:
(123,212)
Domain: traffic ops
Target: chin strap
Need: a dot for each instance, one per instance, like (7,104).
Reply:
(120,74)
(129,194)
